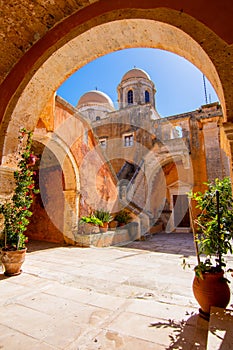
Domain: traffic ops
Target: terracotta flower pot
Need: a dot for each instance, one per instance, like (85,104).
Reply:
(113,225)
(213,290)
(12,261)
(104,227)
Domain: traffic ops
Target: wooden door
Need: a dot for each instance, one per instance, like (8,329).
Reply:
(181,210)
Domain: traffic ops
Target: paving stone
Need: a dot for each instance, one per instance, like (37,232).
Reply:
(13,340)
(152,308)
(140,326)
(86,296)
(103,298)
(113,340)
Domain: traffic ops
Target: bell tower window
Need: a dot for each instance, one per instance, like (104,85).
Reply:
(130,96)
(128,140)
(147,97)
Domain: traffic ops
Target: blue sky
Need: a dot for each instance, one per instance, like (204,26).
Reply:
(179,84)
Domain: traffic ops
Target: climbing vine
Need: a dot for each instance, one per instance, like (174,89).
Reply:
(16,211)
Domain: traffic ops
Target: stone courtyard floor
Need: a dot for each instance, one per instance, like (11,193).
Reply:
(136,297)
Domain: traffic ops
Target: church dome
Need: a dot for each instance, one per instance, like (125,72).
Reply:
(95,97)
(135,73)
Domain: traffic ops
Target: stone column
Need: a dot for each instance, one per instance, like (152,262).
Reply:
(212,149)
(7,182)
(226,139)
(7,185)
(71,201)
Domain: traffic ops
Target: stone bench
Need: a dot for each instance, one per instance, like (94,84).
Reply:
(120,236)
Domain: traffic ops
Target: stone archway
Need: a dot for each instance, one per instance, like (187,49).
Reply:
(28,90)
(76,44)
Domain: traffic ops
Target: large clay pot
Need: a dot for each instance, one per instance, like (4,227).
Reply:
(12,261)
(212,290)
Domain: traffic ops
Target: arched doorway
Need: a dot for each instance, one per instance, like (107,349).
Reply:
(56,207)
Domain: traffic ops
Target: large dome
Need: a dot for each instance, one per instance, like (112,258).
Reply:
(95,97)
(135,73)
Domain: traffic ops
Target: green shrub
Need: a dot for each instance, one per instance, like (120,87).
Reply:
(16,211)
(123,217)
(92,219)
(103,215)
(214,223)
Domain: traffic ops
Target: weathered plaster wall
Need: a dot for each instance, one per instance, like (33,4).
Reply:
(97,181)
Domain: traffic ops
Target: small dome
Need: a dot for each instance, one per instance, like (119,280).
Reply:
(135,73)
(95,97)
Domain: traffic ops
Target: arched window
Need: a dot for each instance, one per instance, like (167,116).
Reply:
(147,97)
(130,96)
(97,118)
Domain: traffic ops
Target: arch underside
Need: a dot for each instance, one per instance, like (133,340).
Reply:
(93,43)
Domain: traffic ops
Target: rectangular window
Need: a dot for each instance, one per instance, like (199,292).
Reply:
(128,140)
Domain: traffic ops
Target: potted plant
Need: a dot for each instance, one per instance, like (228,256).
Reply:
(16,210)
(123,217)
(113,224)
(104,216)
(213,232)
(90,224)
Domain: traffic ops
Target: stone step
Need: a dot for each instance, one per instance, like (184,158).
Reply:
(220,334)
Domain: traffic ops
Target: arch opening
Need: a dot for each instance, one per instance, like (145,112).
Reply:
(84,48)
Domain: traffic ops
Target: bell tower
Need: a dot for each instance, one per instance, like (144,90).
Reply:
(136,88)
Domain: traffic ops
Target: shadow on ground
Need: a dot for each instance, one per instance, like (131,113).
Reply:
(171,243)
(185,334)
(33,246)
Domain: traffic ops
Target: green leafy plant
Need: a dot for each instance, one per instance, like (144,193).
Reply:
(214,225)
(103,215)
(123,217)
(91,219)
(16,210)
